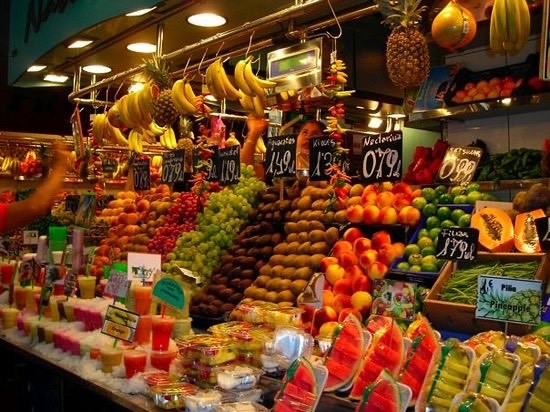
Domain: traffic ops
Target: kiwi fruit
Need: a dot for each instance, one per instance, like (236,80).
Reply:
(264,240)
(327,217)
(270,297)
(293,237)
(285,296)
(281,249)
(319,247)
(303,273)
(303,237)
(316,225)
(304,248)
(235,273)
(261,281)
(302,226)
(265,270)
(318,204)
(273,284)
(235,298)
(289,260)
(284,205)
(304,203)
(234,283)
(295,216)
(250,291)
(301,261)
(277,270)
(292,248)
(240,252)
(316,236)
(316,215)
(288,272)
(276,238)
(276,260)
(291,227)
(269,198)
(332,235)
(315,261)
(298,286)
(305,215)
(266,251)
(224,294)
(340,217)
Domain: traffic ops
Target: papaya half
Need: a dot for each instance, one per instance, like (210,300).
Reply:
(496,230)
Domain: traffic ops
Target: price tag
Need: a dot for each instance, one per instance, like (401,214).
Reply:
(213,165)
(169,291)
(142,174)
(459,165)
(320,157)
(72,202)
(281,156)
(103,201)
(382,157)
(543,230)
(457,244)
(30,237)
(143,266)
(172,166)
(508,299)
(120,323)
(109,165)
(229,165)
(117,285)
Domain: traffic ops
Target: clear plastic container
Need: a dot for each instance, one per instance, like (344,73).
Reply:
(157,378)
(250,395)
(238,377)
(241,407)
(259,312)
(171,396)
(207,349)
(203,401)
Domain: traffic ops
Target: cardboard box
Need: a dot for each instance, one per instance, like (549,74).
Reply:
(461,318)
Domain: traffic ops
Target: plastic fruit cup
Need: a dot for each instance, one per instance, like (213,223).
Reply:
(86,285)
(68,309)
(27,324)
(162,359)
(95,353)
(19,294)
(162,329)
(142,334)
(110,357)
(134,361)
(30,301)
(9,317)
(142,299)
(6,270)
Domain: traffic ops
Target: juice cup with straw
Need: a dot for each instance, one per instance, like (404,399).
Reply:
(110,357)
(19,296)
(30,302)
(134,362)
(142,299)
(142,335)
(162,328)
(86,285)
(68,310)
(7,270)
(9,317)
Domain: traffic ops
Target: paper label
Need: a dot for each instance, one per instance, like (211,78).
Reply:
(120,323)
(169,291)
(117,285)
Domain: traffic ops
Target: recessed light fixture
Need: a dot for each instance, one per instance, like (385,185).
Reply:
(140,12)
(206,20)
(142,47)
(56,78)
(135,87)
(375,122)
(96,69)
(78,44)
(36,68)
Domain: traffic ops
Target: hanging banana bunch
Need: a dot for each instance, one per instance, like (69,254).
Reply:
(253,89)
(510,25)
(185,100)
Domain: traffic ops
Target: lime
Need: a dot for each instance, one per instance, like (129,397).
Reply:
(489,197)
(403,266)
(457,190)
(424,242)
(415,259)
(445,199)
(447,224)
(440,263)
(464,220)
(429,210)
(444,213)
(429,194)
(473,197)
(460,200)
(419,202)
(455,215)
(472,187)
(430,259)
(440,190)
(429,267)
(432,221)
(428,251)
(434,233)
(415,268)
(423,233)
(412,249)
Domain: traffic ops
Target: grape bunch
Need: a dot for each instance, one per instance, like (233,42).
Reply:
(218,224)
(181,218)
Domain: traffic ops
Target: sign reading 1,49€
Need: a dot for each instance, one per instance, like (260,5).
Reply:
(382,156)
(281,156)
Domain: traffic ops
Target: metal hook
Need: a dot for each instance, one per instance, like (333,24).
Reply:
(118,90)
(200,64)
(186,65)
(220,48)
(259,60)
(337,23)
(107,97)
(249,43)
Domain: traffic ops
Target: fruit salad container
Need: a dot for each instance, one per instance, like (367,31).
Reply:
(288,344)
(171,396)
(270,314)
(474,402)
(188,346)
(241,407)
(527,352)
(530,391)
(203,401)
(157,378)
(207,349)
(249,395)
(238,377)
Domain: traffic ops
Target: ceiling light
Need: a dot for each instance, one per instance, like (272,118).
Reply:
(78,44)
(375,122)
(142,47)
(135,87)
(96,69)
(55,78)
(140,12)
(397,116)
(206,20)
(36,68)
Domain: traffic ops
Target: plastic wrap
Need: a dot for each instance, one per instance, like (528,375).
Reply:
(171,396)
(241,407)
(203,401)
(238,377)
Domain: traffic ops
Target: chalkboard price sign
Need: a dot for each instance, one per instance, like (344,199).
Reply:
(72,202)
(543,231)
(172,167)
(320,157)
(459,165)
(213,165)
(229,165)
(457,244)
(281,156)
(142,174)
(382,157)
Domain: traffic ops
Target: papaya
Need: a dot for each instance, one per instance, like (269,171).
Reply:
(526,239)
(496,231)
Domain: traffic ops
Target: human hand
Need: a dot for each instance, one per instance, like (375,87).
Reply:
(60,158)
(256,126)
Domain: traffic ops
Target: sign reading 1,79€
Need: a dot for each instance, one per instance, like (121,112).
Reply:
(382,157)
(280,157)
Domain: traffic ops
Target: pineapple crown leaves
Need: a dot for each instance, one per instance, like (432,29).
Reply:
(158,70)
(405,13)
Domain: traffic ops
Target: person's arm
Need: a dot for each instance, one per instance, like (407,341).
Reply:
(40,201)
(256,127)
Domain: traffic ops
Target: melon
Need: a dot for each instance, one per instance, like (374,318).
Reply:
(298,391)
(387,351)
(526,239)
(345,354)
(381,396)
(496,231)
(454,27)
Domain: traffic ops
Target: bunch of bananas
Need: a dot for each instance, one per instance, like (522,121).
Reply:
(135,109)
(185,100)
(260,146)
(156,161)
(11,165)
(219,84)
(103,131)
(253,98)
(168,139)
(510,25)
(232,140)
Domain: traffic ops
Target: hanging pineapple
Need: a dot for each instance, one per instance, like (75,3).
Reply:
(407,56)
(186,141)
(164,112)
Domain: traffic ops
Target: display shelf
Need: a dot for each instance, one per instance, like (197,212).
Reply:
(431,119)
(513,184)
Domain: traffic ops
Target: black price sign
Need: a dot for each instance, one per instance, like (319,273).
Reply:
(543,231)
(142,174)
(281,156)
(457,244)
(213,165)
(459,165)
(229,165)
(382,156)
(72,202)
(103,201)
(320,157)
(172,167)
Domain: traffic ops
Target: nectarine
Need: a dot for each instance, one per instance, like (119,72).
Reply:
(371,214)
(349,311)
(388,215)
(341,302)
(340,247)
(347,259)
(361,283)
(352,234)
(380,238)
(334,272)
(354,213)
(342,286)
(361,245)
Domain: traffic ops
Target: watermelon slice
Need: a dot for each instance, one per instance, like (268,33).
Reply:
(387,351)
(422,356)
(381,396)
(298,391)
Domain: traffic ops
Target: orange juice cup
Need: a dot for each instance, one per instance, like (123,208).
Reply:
(142,334)
(162,359)
(110,357)
(9,317)
(142,299)
(19,296)
(134,361)
(162,329)
(95,353)
(86,284)
(6,270)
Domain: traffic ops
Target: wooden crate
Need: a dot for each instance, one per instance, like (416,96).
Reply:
(461,318)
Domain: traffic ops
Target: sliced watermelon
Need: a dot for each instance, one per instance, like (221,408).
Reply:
(381,396)
(345,354)
(298,391)
(387,350)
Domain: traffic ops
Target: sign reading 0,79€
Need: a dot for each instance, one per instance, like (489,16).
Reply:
(382,157)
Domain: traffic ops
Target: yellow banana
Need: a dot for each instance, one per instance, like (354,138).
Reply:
(524,23)
(116,135)
(98,126)
(189,94)
(173,140)
(260,145)
(231,92)
(512,17)
(145,97)
(124,113)
(247,103)
(163,140)
(132,140)
(134,112)
(498,30)
(495,42)
(213,88)
(179,100)
(156,129)
(258,106)
(232,140)
(250,78)
(239,77)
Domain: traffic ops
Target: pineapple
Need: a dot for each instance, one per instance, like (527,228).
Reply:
(164,112)
(186,142)
(407,56)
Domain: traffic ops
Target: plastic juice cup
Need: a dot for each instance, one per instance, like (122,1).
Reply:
(27,324)
(68,309)
(134,361)
(48,333)
(142,334)
(182,327)
(162,359)
(95,353)
(30,302)
(162,328)
(9,317)
(19,296)
(142,299)
(45,310)
(6,270)
(86,285)
(54,309)
(110,357)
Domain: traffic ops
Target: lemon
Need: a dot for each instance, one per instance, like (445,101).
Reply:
(415,259)
(404,266)
(415,268)
(419,202)
(429,260)
(434,233)
(455,215)
(464,221)
(428,251)
(447,224)
(444,213)
(429,267)
(423,233)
